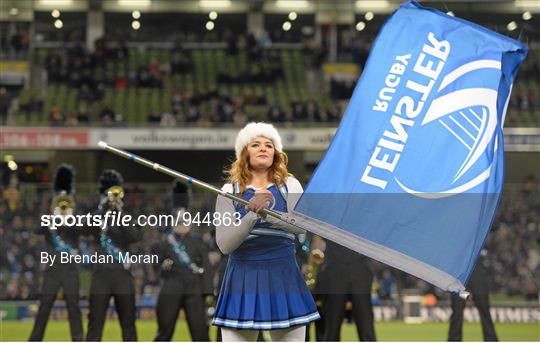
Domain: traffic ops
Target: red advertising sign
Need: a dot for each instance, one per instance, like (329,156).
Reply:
(43,138)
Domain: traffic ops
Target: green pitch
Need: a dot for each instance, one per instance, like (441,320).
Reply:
(58,330)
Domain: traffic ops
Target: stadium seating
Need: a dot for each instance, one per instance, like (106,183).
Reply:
(278,77)
(210,69)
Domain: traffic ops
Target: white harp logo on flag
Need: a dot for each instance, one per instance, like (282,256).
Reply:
(470,116)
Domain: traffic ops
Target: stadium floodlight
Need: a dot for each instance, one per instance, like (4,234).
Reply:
(369,16)
(286,26)
(135,3)
(213,15)
(360,26)
(373,4)
(215,3)
(511,26)
(527,15)
(210,25)
(55,13)
(58,24)
(292,3)
(293,16)
(12,165)
(136,14)
(58,3)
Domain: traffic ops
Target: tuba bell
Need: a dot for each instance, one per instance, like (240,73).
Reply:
(63,204)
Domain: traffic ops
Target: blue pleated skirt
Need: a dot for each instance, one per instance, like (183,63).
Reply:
(266,293)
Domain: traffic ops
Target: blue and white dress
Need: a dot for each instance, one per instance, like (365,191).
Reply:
(263,287)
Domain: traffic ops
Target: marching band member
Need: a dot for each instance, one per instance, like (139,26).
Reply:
(112,279)
(311,258)
(478,285)
(346,273)
(185,270)
(263,288)
(60,275)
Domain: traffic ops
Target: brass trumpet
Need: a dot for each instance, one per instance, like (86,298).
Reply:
(115,193)
(115,196)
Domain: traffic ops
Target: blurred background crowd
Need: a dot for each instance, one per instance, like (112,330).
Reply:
(173,69)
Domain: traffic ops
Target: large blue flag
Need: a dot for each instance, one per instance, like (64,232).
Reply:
(414,174)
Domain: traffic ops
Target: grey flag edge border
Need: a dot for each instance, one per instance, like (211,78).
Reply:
(378,252)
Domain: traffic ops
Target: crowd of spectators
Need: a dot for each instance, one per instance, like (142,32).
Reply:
(88,71)
(77,67)
(223,108)
(5,103)
(512,245)
(14,40)
(91,74)
(187,107)
(525,100)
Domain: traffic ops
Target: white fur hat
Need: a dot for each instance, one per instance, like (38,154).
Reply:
(254,130)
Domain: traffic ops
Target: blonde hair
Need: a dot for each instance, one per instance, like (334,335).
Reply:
(240,171)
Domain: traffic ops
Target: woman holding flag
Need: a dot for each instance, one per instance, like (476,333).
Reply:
(263,288)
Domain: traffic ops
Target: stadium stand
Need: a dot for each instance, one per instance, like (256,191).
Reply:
(202,85)
(124,86)
(199,77)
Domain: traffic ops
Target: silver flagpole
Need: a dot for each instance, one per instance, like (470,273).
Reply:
(183,177)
